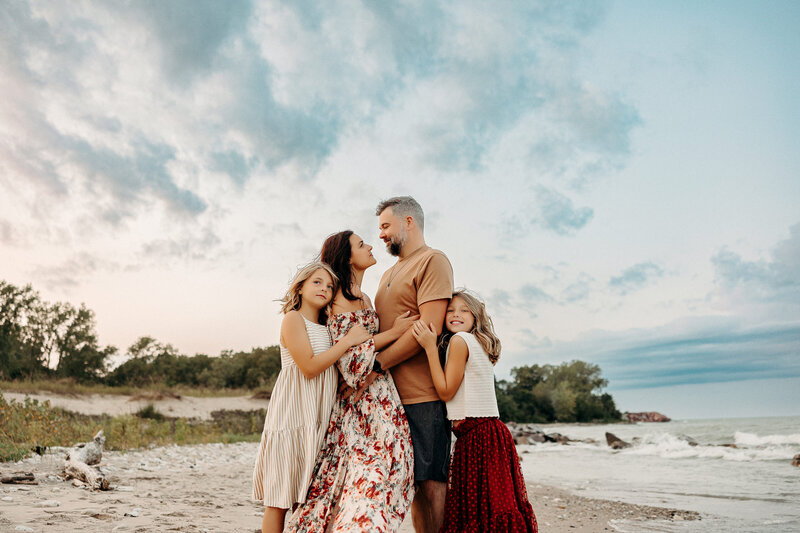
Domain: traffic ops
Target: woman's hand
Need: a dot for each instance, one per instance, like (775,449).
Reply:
(403,322)
(425,335)
(356,335)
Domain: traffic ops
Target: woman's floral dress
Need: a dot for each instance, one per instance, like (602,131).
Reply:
(364,477)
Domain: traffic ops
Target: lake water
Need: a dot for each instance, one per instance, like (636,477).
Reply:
(752,487)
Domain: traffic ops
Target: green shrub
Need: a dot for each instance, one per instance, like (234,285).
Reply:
(150,412)
(26,425)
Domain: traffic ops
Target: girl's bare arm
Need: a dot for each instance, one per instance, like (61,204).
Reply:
(295,338)
(446,380)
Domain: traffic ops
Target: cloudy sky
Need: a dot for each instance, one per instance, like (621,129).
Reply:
(620,181)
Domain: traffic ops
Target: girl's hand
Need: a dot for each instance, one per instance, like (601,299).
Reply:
(356,335)
(425,335)
(403,322)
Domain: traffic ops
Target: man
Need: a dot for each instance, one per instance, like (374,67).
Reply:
(421,281)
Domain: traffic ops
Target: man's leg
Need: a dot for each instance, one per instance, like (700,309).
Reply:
(430,434)
(420,510)
(434,495)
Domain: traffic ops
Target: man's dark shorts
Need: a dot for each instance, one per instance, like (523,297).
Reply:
(430,435)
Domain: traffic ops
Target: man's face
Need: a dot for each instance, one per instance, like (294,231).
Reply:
(393,231)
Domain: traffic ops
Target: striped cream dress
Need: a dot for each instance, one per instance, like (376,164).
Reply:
(297,418)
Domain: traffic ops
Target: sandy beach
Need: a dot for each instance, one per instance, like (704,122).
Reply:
(118,404)
(207,487)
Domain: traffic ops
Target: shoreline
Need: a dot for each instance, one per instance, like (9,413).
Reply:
(207,488)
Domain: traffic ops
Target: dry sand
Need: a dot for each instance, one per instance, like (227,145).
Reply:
(207,487)
(113,404)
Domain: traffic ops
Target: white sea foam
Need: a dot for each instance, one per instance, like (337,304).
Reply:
(672,446)
(751,439)
(752,487)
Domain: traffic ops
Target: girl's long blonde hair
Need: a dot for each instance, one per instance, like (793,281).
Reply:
(291,300)
(483,329)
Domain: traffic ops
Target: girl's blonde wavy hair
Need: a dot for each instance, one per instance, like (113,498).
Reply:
(291,300)
(483,329)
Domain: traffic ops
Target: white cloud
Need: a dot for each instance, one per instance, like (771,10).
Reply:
(768,288)
(205,152)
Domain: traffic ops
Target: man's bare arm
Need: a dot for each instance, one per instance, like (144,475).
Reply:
(429,313)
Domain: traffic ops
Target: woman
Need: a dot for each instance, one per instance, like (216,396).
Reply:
(364,477)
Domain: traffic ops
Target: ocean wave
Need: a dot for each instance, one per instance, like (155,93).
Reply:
(675,447)
(748,447)
(751,439)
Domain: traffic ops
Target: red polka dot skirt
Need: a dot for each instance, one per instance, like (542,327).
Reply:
(486,491)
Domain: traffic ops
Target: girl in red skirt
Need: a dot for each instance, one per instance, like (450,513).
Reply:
(486,491)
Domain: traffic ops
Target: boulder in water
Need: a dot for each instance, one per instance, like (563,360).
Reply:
(525,433)
(615,442)
(796,460)
(556,437)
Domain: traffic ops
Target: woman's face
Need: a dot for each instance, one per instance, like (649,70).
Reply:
(360,253)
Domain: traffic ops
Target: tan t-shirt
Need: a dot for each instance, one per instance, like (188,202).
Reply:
(422,277)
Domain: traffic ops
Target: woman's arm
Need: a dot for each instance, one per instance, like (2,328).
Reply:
(406,346)
(447,380)
(295,337)
(401,324)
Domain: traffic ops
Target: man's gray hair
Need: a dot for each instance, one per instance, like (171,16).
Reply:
(403,206)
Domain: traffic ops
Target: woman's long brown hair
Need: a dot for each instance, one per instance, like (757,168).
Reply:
(336,253)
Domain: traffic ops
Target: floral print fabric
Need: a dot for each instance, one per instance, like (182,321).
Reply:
(364,477)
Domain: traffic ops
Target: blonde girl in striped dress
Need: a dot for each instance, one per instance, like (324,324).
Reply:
(303,396)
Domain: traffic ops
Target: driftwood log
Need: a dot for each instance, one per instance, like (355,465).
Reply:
(78,461)
(19,478)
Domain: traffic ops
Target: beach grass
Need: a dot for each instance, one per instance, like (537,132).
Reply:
(70,387)
(32,425)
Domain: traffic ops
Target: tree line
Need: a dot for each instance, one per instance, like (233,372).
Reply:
(39,339)
(569,392)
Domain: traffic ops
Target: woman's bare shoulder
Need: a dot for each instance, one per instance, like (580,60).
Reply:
(343,305)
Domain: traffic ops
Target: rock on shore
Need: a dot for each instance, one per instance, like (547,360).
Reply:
(530,433)
(650,416)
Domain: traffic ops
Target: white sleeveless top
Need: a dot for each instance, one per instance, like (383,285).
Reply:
(475,397)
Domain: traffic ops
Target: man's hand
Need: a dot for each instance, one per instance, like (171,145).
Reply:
(345,390)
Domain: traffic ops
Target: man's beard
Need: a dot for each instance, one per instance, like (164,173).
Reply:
(394,248)
(396,245)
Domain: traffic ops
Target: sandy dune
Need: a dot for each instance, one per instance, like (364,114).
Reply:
(112,404)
